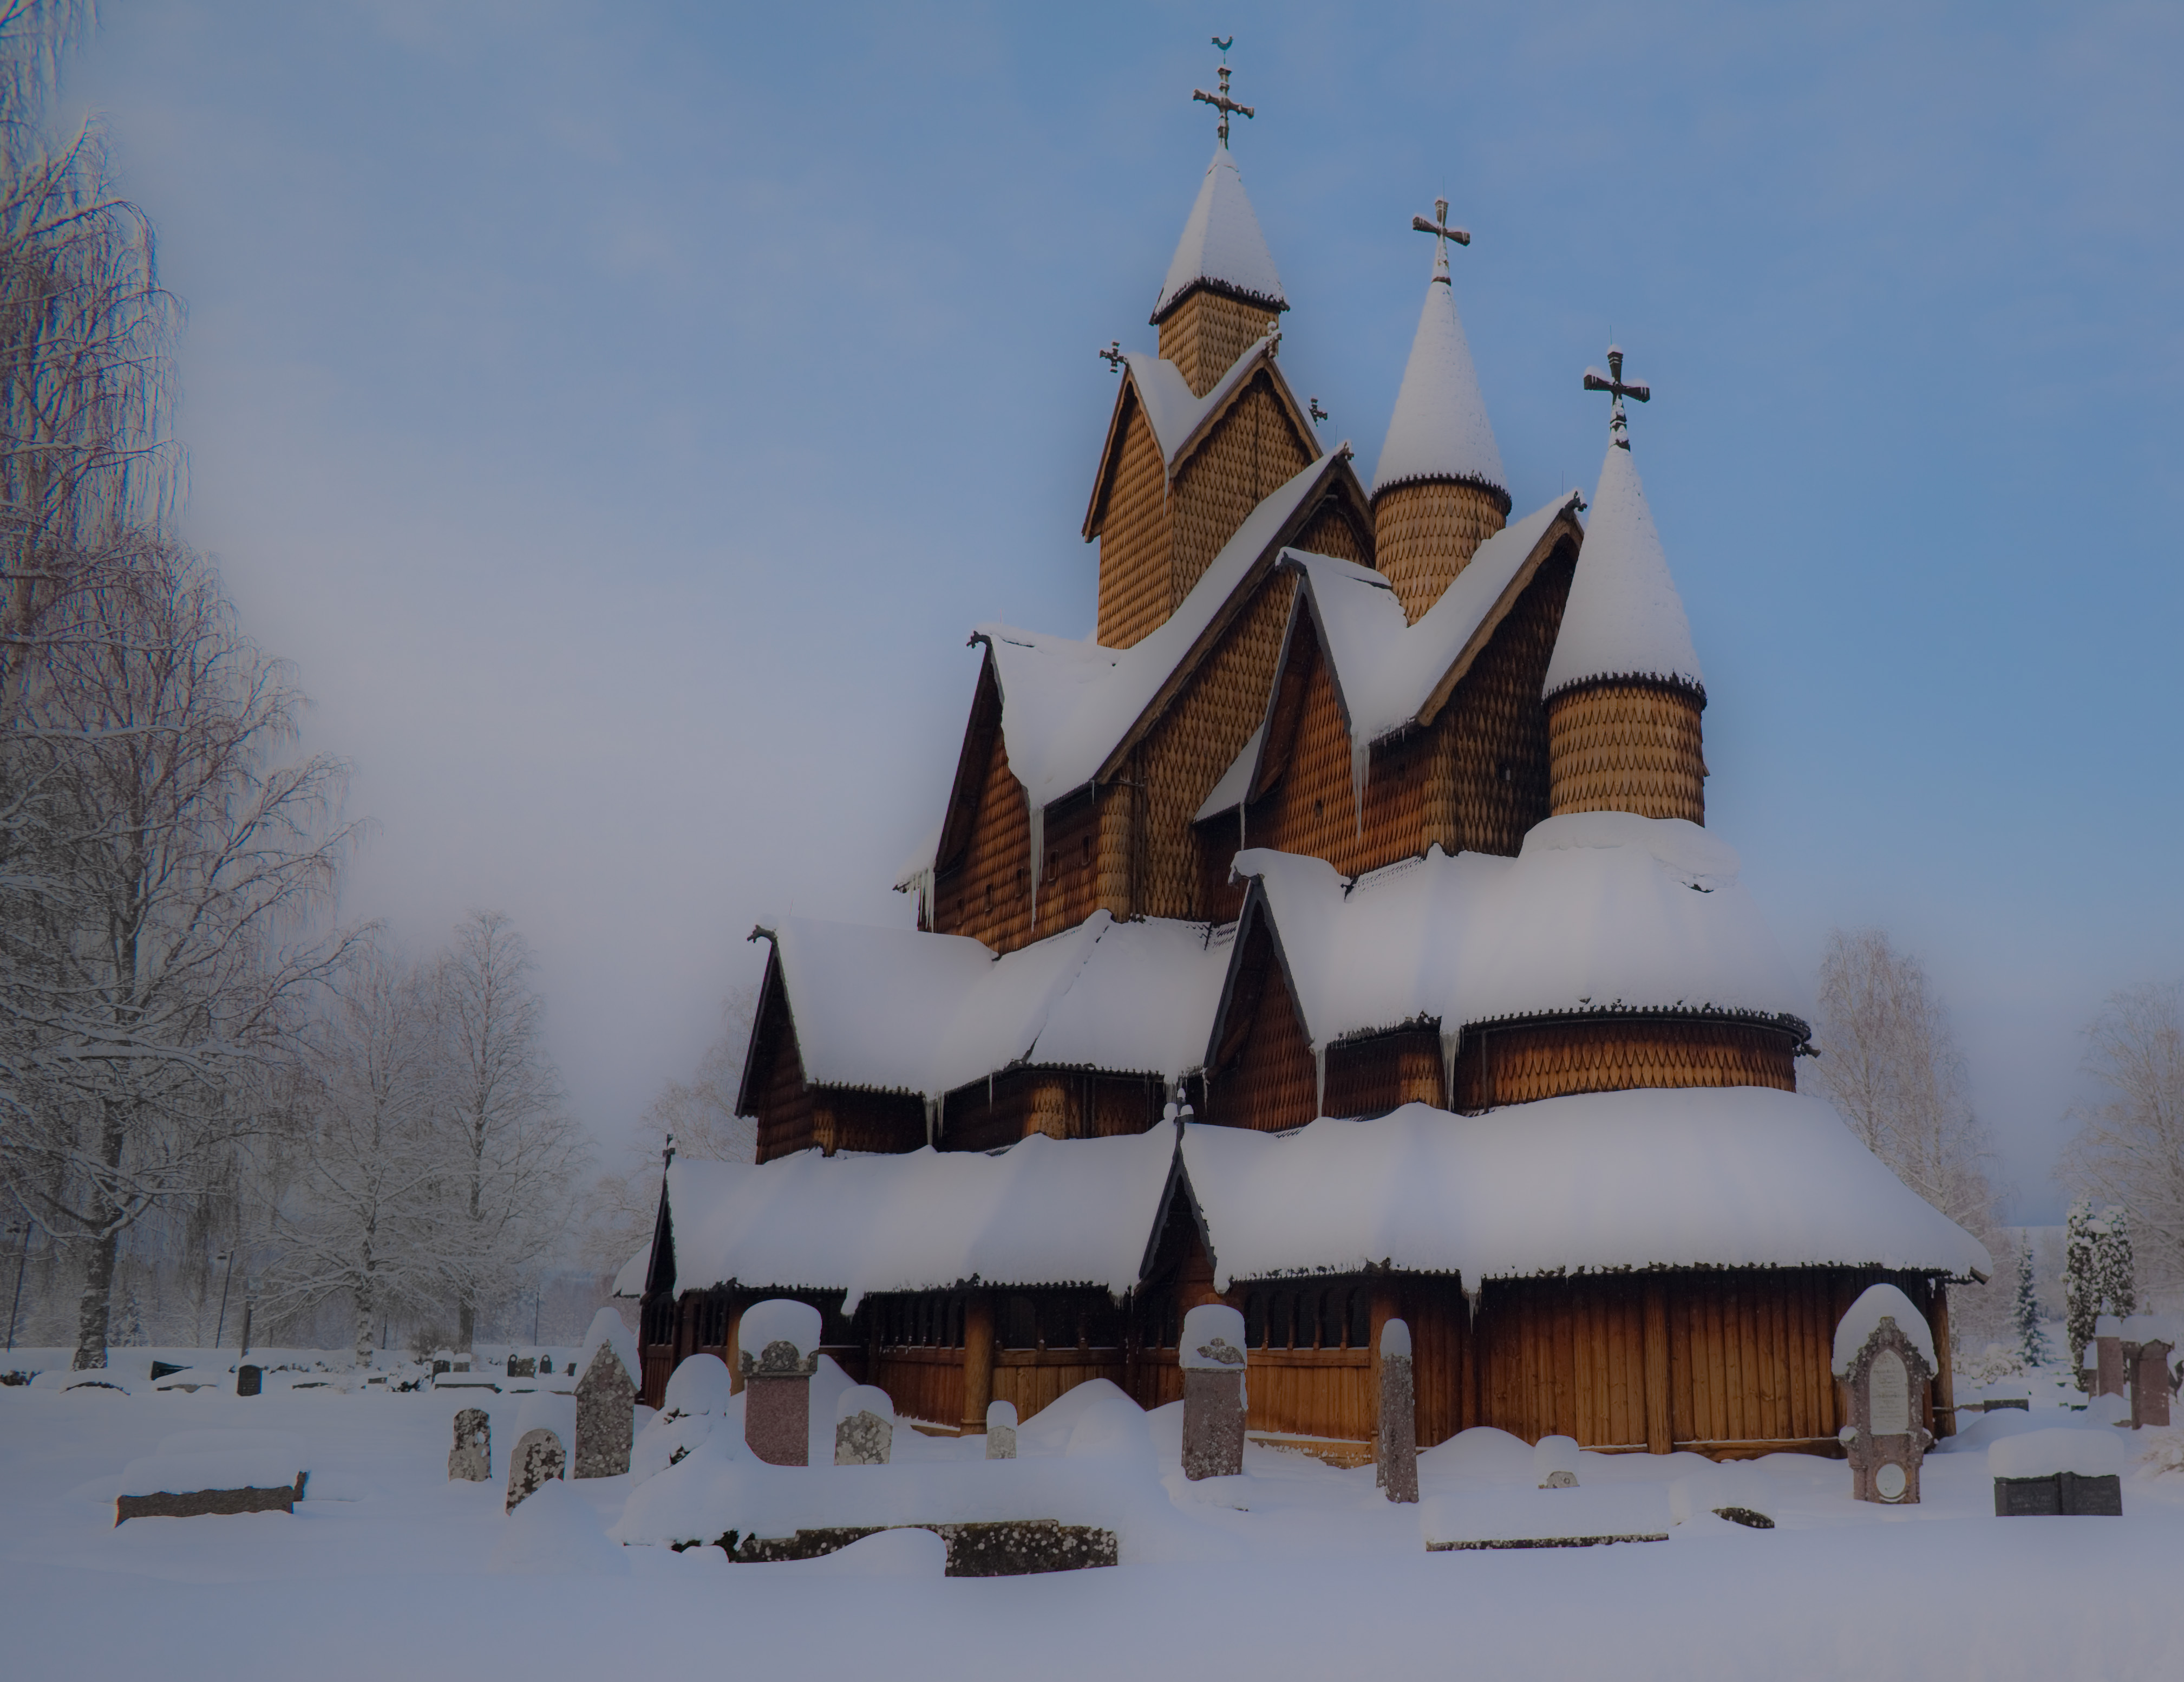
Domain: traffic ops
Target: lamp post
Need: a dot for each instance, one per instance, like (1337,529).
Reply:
(249,1302)
(21,1261)
(226,1279)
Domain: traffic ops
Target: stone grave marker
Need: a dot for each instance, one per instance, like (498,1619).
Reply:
(2064,1472)
(539,1456)
(1396,1444)
(606,1416)
(1214,1399)
(2146,1347)
(1000,1430)
(864,1426)
(2107,1362)
(778,1352)
(471,1460)
(1883,1354)
(249,1380)
(1554,1462)
(522,1366)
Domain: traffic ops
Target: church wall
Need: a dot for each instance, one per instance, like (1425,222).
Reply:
(1629,746)
(1063,1103)
(1070,873)
(1253,449)
(846,1120)
(1134,536)
(1196,740)
(1204,334)
(1372,1076)
(1526,1061)
(1332,531)
(1265,1077)
(988,894)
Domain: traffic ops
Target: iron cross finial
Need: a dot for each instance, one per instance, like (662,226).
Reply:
(667,1154)
(1221,102)
(1440,227)
(1112,355)
(1618,429)
(1315,411)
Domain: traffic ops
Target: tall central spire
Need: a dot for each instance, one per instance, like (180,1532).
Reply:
(1440,491)
(1222,294)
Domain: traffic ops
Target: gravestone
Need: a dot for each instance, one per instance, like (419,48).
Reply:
(1214,1399)
(1554,1462)
(546,1366)
(471,1460)
(606,1416)
(522,1366)
(2146,1371)
(2108,1358)
(539,1456)
(864,1426)
(778,1352)
(1396,1444)
(2066,1473)
(1000,1430)
(1884,1355)
(249,1380)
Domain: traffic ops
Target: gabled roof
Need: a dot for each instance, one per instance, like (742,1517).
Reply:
(1221,246)
(1390,676)
(1181,422)
(1042,1212)
(901,1010)
(1070,706)
(1601,912)
(1732,1176)
(1624,618)
(1440,428)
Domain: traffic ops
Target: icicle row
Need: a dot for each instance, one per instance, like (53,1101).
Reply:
(1038,853)
(1361,761)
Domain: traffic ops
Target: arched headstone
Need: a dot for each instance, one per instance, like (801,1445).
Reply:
(1395,1445)
(538,1457)
(778,1352)
(1214,1399)
(1884,1353)
(249,1380)
(471,1460)
(606,1416)
(864,1426)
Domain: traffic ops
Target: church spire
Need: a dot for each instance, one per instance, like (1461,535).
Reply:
(1439,490)
(1222,294)
(1624,689)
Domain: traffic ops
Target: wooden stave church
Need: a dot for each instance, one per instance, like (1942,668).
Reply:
(1212,500)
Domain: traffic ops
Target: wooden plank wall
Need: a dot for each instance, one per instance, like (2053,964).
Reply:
(1035,1378)
(1526,1061)
(1372,1076)
(924,1384)
(987,895)
(1268,1081)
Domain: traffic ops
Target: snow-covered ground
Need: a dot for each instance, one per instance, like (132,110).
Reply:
(388,1568)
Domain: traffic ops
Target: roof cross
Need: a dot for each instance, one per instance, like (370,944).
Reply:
(1113,356)
(1221,102)
(1440,227)
(1618,431)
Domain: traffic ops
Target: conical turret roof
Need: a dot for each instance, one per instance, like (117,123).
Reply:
(1624,618)
(1440,429)
(1222,245)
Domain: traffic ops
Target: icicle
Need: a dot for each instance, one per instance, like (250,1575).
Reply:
(1361,761)
(1471,1304)
(1319,1080)
(1038,856)
(1451,1043)
(933,1104)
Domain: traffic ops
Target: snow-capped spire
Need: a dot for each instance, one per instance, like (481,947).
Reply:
(1440,428)
(1624,618)
(1221,246)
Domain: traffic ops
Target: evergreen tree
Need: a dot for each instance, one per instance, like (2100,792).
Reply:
(2082,1299)
(2113,1270)
(2030,1340)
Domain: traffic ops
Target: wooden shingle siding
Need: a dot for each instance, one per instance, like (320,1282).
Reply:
(986,894)
(1263,1076)
(783,1103)
(1204,332)
(1135,533)
(1524,1062)
(1629,746)
(1425,533)
(1251,451)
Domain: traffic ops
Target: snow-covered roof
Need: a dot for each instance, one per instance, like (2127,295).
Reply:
(1068,703)
(902,1010)
(1733,1176)
(1175,415)
(1624,618)
(630,1281)
(1440,428)
(1043,1212)
(1221,244)
(1601,910)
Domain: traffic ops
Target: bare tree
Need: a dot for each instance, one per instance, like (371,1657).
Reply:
(156,952)
(1889,1064)
(362,1223)
(2129,1148)
(515,1150)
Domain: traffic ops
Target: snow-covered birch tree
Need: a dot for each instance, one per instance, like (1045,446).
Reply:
(2128,1147)
(513,1151)
(361,1222)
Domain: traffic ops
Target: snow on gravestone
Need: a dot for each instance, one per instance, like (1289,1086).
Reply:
(1213,1360)
(1554,1462)
(1884,1353)
(2148,1343)
(606,1397)
(538,1459)
(1395,1448)
(778,1353)
(1000,1430)
(471,1460)
(864,1426)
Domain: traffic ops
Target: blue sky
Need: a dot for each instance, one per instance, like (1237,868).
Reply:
(621,413)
